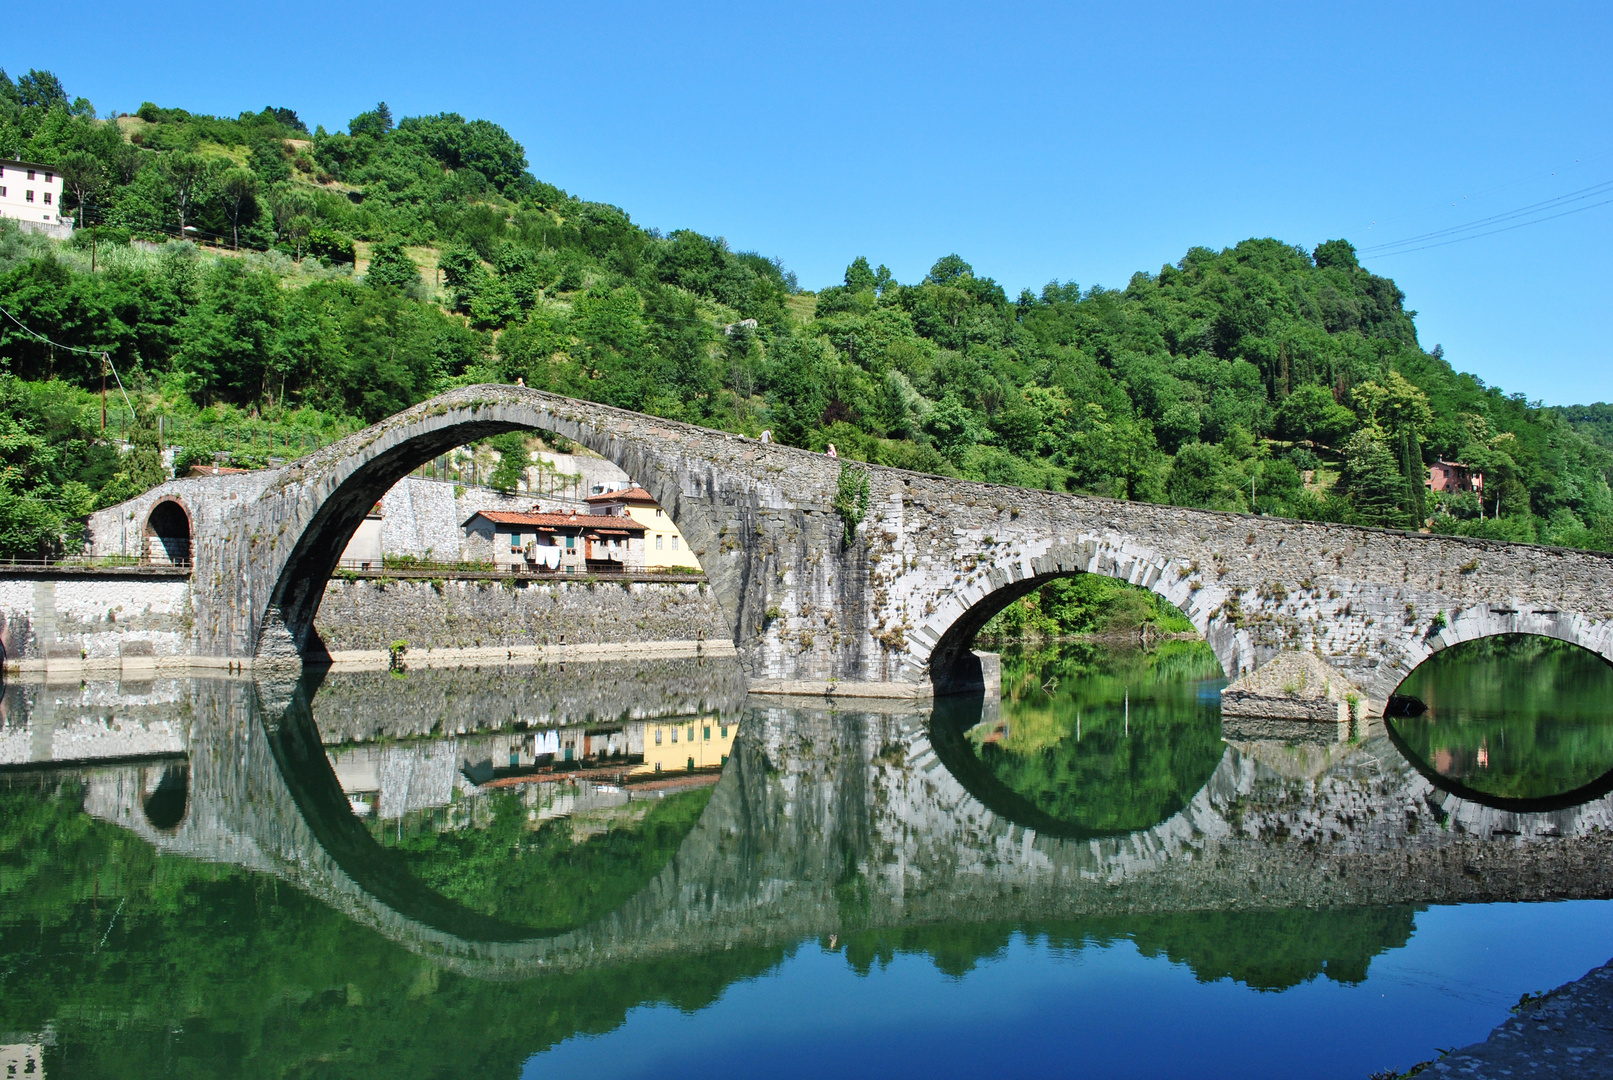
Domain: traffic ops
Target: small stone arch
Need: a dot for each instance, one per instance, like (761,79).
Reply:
(167,538)
(942,644)
(1487,620)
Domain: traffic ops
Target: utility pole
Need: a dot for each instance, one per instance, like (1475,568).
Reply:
(103,391)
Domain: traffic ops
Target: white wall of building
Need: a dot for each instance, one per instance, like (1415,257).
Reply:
(31,192)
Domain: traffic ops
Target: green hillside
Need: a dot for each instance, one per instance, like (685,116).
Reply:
(261,289)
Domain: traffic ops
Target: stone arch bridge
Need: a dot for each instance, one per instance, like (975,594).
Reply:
(933,560)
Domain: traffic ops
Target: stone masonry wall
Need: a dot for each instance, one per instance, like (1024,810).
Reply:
(93,618)
(370,614)
(357,706)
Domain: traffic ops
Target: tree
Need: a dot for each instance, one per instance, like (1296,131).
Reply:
(1311,415)
(375,123)
(84,176)
(186,175)
(1374,483)
(391,267)
(860,276)
(239,189)
(1200,476)
(513,460)
(42,89)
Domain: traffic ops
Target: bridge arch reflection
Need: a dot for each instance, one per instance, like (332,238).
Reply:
(1091,742)
(1515,721)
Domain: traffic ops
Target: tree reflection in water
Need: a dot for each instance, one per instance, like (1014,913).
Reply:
(560,873)
(1515,717)
(1094,740)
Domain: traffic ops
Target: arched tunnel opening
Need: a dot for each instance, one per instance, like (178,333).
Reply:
(167,535)
(1520,722)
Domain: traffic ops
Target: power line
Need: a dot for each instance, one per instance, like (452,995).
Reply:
(1561,200)
(1492,232)
(106,358)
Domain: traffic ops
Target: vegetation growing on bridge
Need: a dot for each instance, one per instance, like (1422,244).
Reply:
(353,273)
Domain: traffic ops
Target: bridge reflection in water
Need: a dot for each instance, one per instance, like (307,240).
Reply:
(597,883)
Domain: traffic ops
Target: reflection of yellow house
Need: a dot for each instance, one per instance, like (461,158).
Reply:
(693,742)
(664,545)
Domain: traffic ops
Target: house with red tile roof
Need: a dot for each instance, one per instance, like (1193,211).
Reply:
(538,543)
(664,546)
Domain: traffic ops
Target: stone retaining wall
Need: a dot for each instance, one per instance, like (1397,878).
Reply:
(97,619)
(95,624)
(371,613)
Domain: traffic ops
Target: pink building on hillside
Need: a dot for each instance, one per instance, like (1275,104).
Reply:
(1454,476)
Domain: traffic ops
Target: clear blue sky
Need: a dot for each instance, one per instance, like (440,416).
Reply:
(1037,141)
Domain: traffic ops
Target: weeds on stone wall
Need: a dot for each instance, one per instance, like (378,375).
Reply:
(851,499)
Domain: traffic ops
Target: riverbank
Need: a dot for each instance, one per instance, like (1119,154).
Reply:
(1565,1033)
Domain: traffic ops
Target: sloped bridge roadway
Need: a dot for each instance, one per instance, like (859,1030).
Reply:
(932,560)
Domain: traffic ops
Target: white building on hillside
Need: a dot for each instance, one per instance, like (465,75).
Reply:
(32,194)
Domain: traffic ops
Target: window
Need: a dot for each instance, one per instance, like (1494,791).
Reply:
(657,541)
(674,735)
(571,541)
(706,732)
(47,198)
(657,736)
(691,734)
(30,174)
(2,191)
(48,178)
(29,197)
(723,731)
(674,543)
(658,511)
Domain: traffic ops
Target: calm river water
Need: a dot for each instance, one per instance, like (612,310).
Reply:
(635,870)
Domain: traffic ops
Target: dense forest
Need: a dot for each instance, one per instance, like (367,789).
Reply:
(259,289)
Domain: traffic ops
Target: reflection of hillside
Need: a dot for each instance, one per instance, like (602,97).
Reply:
(499,853)
(824,825)
(1267,950)
(291,986)
(210,971)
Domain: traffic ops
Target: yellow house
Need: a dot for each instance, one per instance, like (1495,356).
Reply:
(664,546)
(682,744)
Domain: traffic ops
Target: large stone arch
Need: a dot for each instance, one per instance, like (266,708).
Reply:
(319,505)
